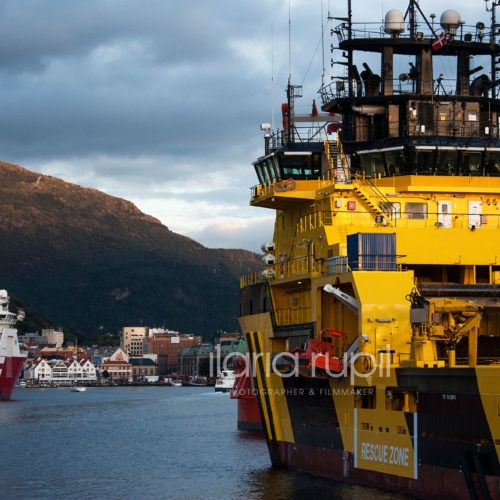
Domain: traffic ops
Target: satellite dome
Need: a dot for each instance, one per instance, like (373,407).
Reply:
(394,22)
(450,21)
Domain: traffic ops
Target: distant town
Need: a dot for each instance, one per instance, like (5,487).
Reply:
(145,356)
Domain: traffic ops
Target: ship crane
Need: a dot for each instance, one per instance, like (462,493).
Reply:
(349,301)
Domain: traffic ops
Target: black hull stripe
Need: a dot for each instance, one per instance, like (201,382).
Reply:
(266,412)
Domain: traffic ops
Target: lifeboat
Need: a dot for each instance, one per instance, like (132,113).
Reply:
(322,355)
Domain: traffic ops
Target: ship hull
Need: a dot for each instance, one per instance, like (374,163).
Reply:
(10,369)
(441,458)
(248,418)
(433,482)
(248,413)
(444,445)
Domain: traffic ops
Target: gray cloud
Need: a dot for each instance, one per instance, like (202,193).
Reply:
(159,101)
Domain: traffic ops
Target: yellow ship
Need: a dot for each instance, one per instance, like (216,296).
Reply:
(373,327)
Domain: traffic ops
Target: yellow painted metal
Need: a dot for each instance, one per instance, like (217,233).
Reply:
(379,437)
(383,320)
(312,225)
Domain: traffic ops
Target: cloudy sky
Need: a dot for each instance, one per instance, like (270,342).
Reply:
(160,101)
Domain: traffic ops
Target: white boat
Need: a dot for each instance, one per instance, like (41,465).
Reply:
(78,388)
(173,382)
(198,382)
(225,381)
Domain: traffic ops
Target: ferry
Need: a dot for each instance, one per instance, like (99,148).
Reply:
(373,325)
(11,358)
(225,381)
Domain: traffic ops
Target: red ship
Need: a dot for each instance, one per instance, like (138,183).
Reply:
(11,358)
(248,409)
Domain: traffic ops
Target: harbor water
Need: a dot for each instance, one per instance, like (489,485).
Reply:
(143,442)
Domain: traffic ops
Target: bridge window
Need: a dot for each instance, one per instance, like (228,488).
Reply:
(373,164)
(471,162)
(300,165)
(272,170)
(492,163)
(423,160)
(395,161)
(261,172)
(447,162)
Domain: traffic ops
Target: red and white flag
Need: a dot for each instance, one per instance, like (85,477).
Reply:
(439,42)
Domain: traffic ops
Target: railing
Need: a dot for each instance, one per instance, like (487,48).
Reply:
(306,133)
(367,30)
(337,265)
(332,266)
(252,278)
(9,320)
(339,89)
(293,316)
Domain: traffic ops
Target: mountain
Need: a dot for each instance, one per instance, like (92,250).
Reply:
(94,262)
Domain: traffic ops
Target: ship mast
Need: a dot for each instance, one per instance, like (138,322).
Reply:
(494,26)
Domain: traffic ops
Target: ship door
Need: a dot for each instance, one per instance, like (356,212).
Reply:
(475,208)
(444,213)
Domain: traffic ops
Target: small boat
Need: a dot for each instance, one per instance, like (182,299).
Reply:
(78,388)
(198,382)
(225,381)
(174,382)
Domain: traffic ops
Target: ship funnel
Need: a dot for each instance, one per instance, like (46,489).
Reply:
(450,21)
(394,23)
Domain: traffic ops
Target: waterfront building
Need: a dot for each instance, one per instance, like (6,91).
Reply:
(60,371)
(170,344)
(54,337)
(117,367)
(132,338)
(33,339)
(37,369)
(143,367)
(195,361)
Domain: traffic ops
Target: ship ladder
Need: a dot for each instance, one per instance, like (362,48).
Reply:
(335,155)
(384,207)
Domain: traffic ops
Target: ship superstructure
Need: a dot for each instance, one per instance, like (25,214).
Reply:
(374,326)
